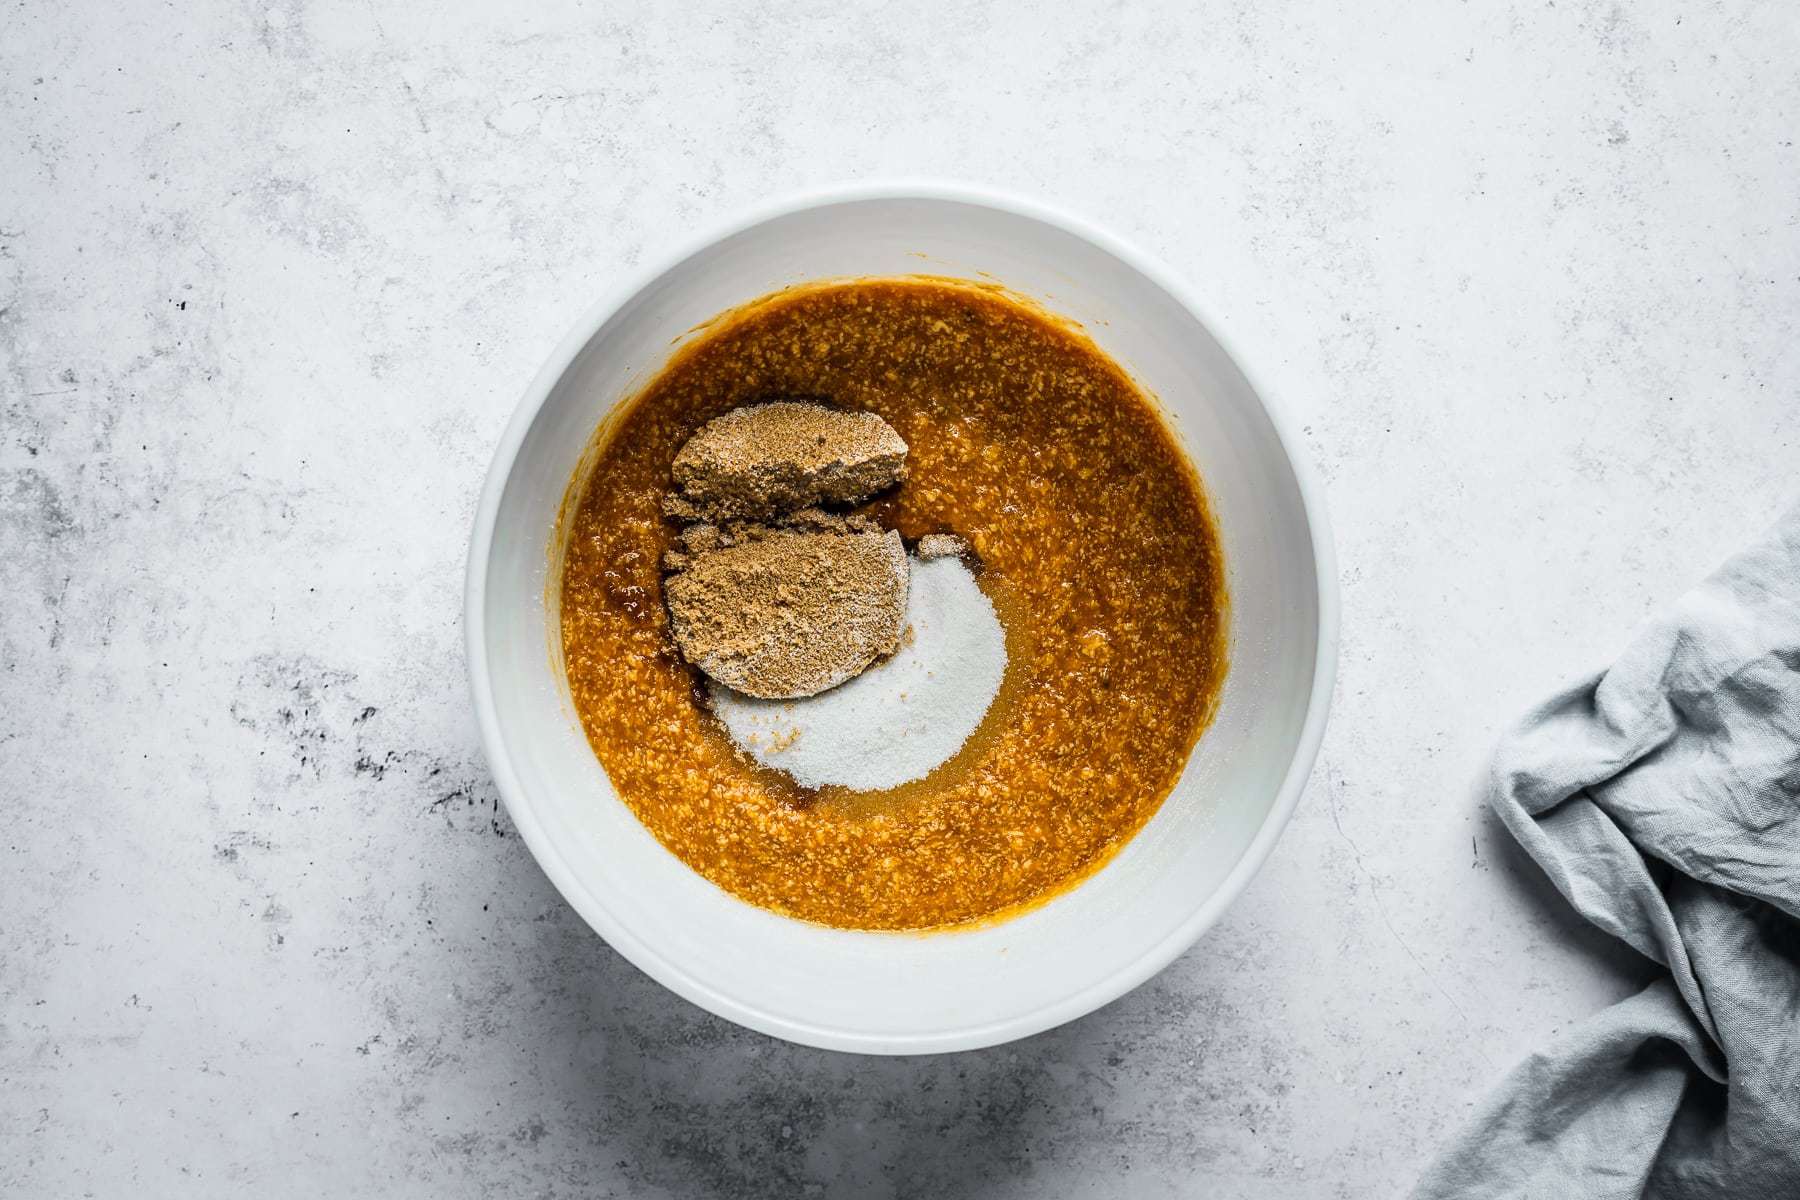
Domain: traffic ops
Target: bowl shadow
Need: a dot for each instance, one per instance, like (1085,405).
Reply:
(657,1095)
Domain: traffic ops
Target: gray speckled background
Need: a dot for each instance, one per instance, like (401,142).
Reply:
(271,279)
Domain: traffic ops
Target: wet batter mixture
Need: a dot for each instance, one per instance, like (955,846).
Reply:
(1100,556)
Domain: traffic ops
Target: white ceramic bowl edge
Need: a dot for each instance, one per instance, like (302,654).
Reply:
(902,993)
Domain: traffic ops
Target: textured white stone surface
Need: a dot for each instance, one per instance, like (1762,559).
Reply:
(271,278)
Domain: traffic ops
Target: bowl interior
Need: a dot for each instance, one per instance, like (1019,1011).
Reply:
(910,992)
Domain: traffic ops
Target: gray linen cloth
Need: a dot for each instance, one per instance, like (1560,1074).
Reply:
(1662,798)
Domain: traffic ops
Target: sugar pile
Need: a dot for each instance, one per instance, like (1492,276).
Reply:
(899,719)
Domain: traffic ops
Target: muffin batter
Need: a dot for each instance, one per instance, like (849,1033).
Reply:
(1098,551)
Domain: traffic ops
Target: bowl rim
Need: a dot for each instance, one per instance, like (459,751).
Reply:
(645,956)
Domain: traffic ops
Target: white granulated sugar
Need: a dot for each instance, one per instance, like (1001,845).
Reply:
(899,719)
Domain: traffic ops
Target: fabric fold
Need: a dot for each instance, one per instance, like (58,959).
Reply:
(1662,799)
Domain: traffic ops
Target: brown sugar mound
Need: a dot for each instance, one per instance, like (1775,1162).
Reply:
(767,592)
(703,537)
(785,613)
(762,460)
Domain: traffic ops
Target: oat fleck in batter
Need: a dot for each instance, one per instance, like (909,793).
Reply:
(1099,553)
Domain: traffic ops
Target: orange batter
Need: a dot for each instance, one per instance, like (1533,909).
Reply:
(1100,555)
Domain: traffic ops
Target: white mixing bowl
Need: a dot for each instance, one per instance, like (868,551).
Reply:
(886,993)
